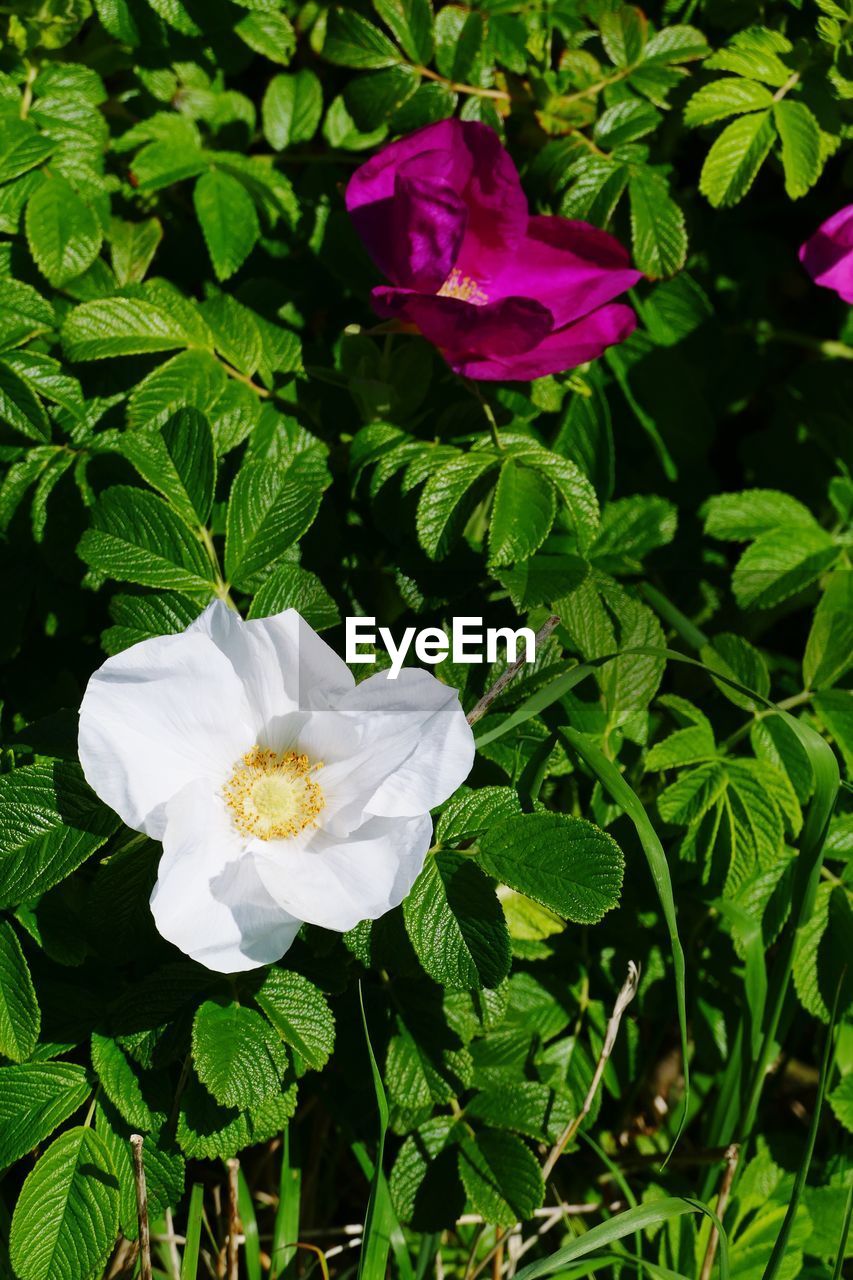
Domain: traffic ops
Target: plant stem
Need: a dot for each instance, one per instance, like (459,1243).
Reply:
(479,710)
(145,1273)
(473,89)
(732,1154)
(233,1221)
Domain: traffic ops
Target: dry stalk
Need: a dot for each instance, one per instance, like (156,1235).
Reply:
(732,1154)
(136,1142)
(233,1261)
(477,712)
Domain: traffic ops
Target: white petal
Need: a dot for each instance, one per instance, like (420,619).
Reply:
(282,662)
(155,717)
(429,713)
(336,883)
(209,899)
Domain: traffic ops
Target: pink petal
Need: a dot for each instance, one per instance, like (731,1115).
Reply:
(562,350)
(500,329)
(828,255)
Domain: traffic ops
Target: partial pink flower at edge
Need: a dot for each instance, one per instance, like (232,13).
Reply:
(503,295)
(828,254)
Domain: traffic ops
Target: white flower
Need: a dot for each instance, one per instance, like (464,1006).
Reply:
(281,790)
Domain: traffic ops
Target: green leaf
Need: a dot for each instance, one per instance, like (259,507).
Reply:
(66,1219)
(208,1131)
(177,459)
(623,34)
(692,745)
(542,579)
(372,98)
(730,96)
(841,1101)
(132,247)
(501,1175)
(35,1099)
(625,122)
(732,163)
(740,661)
(567,864)
(802,151)
(292,587)
(447,500)
(678,43)
(834,708)
(50,822)
(228,219)
(353,41)
(778,565)
(456,924)
(20,407)
(829,648)
(267,513)
(63,231)
(522,1106)
(459,34)
(740,517)
(754,53)
(657,225)
(466,814)
(20,1016)
(522,513)
(291,109)
(411,22)
(137,537)
(121,327)
(22,147)
(141,617)
(175,13)
(236,1055)
(300,1015)
(120,1083)
(270,34)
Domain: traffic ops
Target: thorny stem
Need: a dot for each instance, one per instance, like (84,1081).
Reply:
(477,712)
(624,998)
(145,1273)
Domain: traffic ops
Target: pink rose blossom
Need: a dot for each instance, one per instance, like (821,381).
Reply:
(828,254)
(501,293)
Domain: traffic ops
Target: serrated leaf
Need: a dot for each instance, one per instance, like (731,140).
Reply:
(267,513)
(692,745)
(522,1106)
(802,151)
(137,537)
(778,565)
(743,516)
(121,327)
(20,407)
(120,1083)
(50,822)
(732,163)
(63,231)
(353,41)
(207,1131)
(466,814)
(141,617)
(411,21)
(178,460)
(657,225)
(729,96)
(236,1055)
(736,658)
(132,248)
(446,501)
(292,587)
(22,147)
(35,1098)
(566,863)
(20,1016)
(623,34)
(459,36)
(291,110)
(456,924)
(841,1101)
(523,511)
(674,44)
(300,1014)
(501,1175)
(270,34)
(66,1219)
(228,219)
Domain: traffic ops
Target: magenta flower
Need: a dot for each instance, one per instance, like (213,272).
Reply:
(500,293)
(828,254)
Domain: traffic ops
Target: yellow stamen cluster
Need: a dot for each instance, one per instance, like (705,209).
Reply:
(465,287)
(272,795)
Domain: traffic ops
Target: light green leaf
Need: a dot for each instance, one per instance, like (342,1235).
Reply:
(802,152)
(501,1175)
(740,517)
(236,1055)
(779,565)
(35,1099)
(63,231)
(267,513)
(121,327)
(566,863)
(228,221)
(300,1014)
(657,225)
(292,587)
(132,247)
(739,660)
(732,163)
(447,500)
(829,648)
(22,147)
(20,407)
(353,41)
(66,1219)
(177,459)
(137,537)
(730,96)
(20,1016)
(469,812)
(456,924)
(291,109)
(50,822)
(411,22)
(522,513)
(270,34)
(119,1081)
(623,34)
(841,1101)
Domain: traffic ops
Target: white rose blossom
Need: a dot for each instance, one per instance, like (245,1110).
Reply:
(282,791)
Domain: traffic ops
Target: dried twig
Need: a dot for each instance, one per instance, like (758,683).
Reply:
(136,1141)
(477,712)
(233,1263)
(624,998)
(732,1154)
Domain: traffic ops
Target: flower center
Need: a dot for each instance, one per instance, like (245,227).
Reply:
(272,795)
(465,287)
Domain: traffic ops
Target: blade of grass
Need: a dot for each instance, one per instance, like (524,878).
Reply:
(637,1219)
(777,1256)
(286,1225)
(755,970)
(845,1230)
(189,1262)
(373,1259)
(252,1245)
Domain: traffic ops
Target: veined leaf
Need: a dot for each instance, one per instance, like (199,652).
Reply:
(63,231)
(137,537)
(236,1054)
(456,924)
(20,1016)
(802,153)
(229,222)
(300,1014)
(35,1098)
(267,512)
(732,163)
(522,513)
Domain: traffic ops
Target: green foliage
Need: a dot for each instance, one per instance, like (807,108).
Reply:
(195,404)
